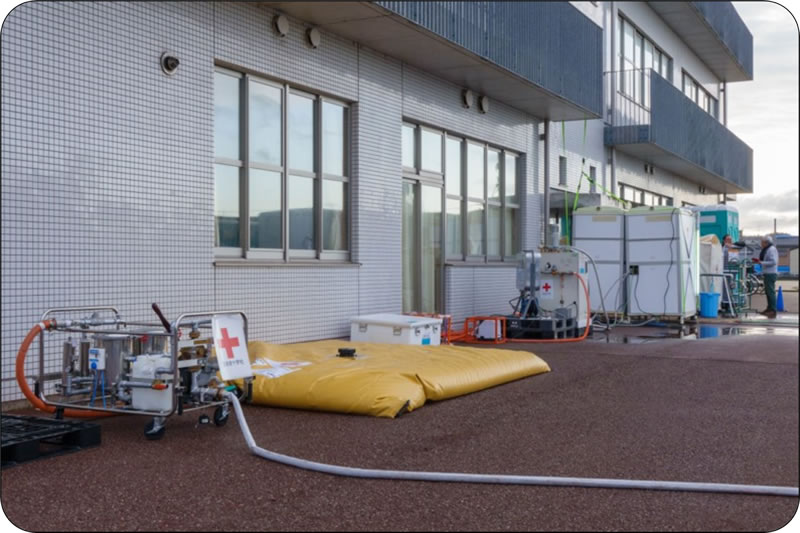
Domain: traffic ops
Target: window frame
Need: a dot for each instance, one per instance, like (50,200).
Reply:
(641,82)
(712,103)
(641,195)
(464,198)
(563,177)
(286,254)
(240,163)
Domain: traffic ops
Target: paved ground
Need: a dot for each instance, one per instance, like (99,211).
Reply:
(790,303)
(690,410)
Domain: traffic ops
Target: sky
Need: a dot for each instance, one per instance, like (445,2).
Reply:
(764,114)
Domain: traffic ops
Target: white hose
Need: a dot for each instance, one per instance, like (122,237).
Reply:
(500,478)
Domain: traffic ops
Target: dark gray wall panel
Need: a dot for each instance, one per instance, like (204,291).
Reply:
(535,40)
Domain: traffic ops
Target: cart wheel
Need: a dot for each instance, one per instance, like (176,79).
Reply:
(153,433)
(203,420)
(220,416)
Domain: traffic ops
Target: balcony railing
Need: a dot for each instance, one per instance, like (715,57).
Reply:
(533,40)
(649,117)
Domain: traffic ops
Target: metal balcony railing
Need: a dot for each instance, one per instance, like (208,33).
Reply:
(533,40)
(643,108)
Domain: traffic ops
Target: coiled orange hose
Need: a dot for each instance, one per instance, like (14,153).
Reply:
(23,384)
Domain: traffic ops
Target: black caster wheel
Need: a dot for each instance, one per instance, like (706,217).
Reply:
(203,420)
(153,433)
(220,416)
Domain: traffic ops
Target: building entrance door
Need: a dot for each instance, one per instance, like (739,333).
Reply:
(422,247)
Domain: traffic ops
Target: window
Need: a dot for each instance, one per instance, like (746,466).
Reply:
(286,175)
(638,56)
(637,197)
(631,195)
(430,151)
(408,146)
(454,198)
(562,170)
(494,199)
(697,94)
(481,202)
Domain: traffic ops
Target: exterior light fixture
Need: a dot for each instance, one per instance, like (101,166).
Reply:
(281,24)
(467,98)
(314,37)
(483,104)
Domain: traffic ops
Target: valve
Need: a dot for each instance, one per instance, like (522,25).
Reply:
(346,352)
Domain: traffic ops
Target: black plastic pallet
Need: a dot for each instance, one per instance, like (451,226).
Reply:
(533,328)
(25,438)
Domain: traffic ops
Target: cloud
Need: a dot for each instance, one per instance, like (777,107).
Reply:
(764,114)
(772,202)
(757,213)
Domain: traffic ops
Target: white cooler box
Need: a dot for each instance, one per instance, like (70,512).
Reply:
(396,329)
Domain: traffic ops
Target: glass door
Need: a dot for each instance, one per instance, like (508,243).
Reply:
(422,247)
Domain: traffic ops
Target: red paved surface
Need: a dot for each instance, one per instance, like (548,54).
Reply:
(688,410)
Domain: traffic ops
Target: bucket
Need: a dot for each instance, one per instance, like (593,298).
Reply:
(708,331)
(709,303)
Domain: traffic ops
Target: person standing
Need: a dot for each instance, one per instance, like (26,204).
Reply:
(727,242)
(768,258)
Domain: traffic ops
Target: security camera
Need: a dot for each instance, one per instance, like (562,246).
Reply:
(169,63)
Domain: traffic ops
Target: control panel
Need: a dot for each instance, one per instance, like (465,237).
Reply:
(562,262)
(97,358)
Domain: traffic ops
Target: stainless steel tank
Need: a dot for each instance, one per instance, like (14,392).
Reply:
(117,347)
(152,343)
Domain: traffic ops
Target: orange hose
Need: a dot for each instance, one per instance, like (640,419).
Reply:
(23,384)
(574,339)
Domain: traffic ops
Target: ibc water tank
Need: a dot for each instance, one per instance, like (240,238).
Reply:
(600,232)
(662,258)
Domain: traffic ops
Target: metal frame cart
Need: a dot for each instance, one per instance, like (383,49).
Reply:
(140,368)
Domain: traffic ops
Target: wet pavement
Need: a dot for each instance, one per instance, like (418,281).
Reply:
(649,334)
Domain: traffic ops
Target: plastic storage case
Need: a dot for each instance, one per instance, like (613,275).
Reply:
(396,329)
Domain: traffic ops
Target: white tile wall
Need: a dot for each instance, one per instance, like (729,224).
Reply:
(107,178)
(630,170)
(569,141)
(479,290)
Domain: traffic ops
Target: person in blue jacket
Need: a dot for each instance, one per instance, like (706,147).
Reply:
(769,269)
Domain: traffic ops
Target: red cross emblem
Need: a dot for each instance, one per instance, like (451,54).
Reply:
(227,343)
(546,287)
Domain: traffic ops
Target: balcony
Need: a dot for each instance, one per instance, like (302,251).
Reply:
(513,52)
(715,32)
(652,120)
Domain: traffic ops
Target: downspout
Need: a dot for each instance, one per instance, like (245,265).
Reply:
(725,104)
(613,95)
(546,208)
(724,123)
